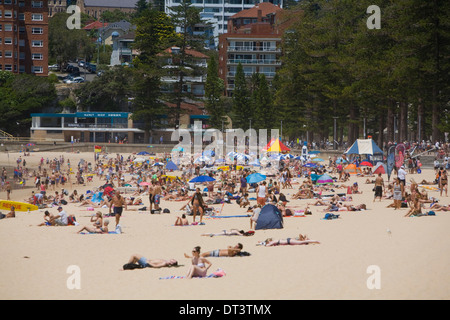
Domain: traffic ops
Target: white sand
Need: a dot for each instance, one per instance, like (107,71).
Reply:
(413,259)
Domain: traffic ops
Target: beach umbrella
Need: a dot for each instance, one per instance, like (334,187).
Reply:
(144,183)
(325,179)
(139,160)
(202,179)
(287,156)
(314,177)
(224,168)
(178,149)
(143,153)
(202,159)
(310,165)
(314,152)
(318,160)
(158,164)
(365,164)
(340,160)
(255,177)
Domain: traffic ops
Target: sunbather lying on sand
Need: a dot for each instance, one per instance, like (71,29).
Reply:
(231,232)
(302,239)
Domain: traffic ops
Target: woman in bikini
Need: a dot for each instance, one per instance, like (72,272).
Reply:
(197,204)
(443,182)
(200,265)
(289,241)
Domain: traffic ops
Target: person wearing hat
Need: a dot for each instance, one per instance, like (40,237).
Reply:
(61,219)
(401,175)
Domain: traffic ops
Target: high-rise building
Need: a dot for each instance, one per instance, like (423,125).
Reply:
(24,36)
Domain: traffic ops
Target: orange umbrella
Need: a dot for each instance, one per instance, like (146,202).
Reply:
(352,169)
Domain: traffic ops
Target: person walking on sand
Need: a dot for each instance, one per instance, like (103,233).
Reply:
(118,202)
(8,191)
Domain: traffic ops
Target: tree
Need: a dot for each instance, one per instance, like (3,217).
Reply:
(65,44)
(185,17)
(241,109)
(110,92)
(21,95)
(214,104)
(261,100)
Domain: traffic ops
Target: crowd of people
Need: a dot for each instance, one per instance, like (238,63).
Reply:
(149,185)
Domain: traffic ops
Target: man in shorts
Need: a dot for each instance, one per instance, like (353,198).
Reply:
(118,202)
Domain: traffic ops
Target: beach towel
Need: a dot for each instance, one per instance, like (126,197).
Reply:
(235,216)
(110,232)
(217,274)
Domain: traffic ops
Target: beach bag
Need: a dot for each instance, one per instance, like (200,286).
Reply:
(131,266)
(166,210)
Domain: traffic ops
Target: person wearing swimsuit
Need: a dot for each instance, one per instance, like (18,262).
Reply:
(197,204)
(443,182)
(200,265)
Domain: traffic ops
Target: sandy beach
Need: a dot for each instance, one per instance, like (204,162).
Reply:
(410,255)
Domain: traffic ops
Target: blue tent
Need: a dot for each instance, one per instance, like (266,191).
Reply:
(171,166)
(143,153)
(364,146)
(269,217)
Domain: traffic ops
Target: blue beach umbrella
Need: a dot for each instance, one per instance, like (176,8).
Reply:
(255,178)
(202,179)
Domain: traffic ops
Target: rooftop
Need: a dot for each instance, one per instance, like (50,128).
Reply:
(111,3)
(265,7)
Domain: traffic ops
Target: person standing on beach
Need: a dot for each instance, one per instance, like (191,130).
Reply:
(118,202)
(379,184)
(401,175)
(8,191)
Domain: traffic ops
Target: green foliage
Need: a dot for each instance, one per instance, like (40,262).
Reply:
(21,95)
(66,44)
(214,103)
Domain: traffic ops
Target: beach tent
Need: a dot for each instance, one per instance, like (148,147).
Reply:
(380,167)
(269,217)
(143,153)
(325,179)
(364,146)
(365,164)
(275,145)
(352,169)
(171,166)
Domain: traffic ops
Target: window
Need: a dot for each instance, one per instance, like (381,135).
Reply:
(37,69)
(22,16)
(21,43)
(37,17)
(8,27)
(8,1)
(36,30)
(8,54)
(21,68)
(36,4)
(8,40)
(37,43)
(8,67)
(22,55)
(36,56)
(8,14)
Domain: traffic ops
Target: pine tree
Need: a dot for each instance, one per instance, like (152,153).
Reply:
(214,104)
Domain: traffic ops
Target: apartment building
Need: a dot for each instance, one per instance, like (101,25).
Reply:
(24,36)
(95,8)
(253,40)
(218,12)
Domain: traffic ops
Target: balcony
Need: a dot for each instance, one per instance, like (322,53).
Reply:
(271,62)
(253,49)
(248,74)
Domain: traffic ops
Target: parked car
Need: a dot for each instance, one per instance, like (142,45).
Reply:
(100,73)
(81,63)
(92,68)
(53,67)
(74,80)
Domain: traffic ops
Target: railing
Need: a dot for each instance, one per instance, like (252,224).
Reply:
(247,74)
(254,61)
(253,49)
(96,126)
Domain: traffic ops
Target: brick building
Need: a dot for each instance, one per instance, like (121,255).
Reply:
(253,39)
(24,36)
(95,8)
